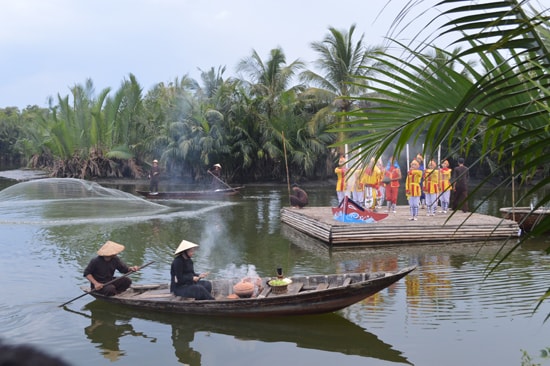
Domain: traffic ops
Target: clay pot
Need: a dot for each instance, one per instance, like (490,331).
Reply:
(244,289)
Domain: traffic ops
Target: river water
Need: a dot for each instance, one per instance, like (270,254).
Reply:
(447,312)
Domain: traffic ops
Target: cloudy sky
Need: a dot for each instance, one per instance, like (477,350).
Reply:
(49,46)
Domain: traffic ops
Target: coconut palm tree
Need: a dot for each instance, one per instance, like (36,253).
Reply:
(502,111)
(268,83)
(341,62)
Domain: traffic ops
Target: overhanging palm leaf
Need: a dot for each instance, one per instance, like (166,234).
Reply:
(502,113)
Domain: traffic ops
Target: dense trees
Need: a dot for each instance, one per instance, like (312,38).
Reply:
(187,124)
(373,100)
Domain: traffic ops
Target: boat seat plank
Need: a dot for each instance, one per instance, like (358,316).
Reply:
(265,292)
(294,288)
(146,287)
(321,286)
(154,296)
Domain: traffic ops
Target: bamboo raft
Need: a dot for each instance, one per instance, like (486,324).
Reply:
(318,222)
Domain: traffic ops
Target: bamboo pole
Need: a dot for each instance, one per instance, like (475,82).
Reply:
(286,165)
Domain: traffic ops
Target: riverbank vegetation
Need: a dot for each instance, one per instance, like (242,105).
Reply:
(245,124)
(486,99)
(372,99)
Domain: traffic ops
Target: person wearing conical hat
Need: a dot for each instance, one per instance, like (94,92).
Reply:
(154,177)
(216,173)
(101,270)
(184,281)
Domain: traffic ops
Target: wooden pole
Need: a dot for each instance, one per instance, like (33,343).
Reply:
(513,190)
(227,185)
(286,165)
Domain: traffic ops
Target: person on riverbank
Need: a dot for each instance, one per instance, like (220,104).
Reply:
(154,177)
(445,185)
(413,188)
(101,269)
(461,178)
(184,281)
(430,187)
(298,198)
(392,176)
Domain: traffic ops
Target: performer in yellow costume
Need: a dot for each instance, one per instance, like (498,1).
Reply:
(371,179)
(431,187)
(413,189)
(445,185)
(341,184)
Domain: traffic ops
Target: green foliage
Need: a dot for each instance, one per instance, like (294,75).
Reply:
(496,114)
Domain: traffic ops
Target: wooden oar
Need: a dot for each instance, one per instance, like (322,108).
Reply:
(227,185)
(106,284)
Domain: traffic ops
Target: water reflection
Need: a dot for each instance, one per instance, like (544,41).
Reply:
(107,329)
(452,281)
(446,307)
(330,332)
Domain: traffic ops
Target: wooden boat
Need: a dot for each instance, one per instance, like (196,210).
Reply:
(191,194)
(350,211)
(305,295)
(526,217)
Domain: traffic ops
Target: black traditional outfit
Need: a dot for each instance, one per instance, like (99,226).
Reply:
(181,280)
(104,271)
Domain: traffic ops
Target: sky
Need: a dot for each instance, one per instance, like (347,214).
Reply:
(47,47)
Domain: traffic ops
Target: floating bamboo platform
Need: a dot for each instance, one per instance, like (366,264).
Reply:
(319,223)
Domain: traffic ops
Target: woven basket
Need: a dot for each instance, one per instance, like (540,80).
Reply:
(279,289)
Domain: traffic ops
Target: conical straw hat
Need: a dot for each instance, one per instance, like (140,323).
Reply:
(110,248)
(184,245)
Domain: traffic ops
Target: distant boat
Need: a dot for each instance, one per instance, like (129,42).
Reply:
(304,295)
(191,194)
(526,217)
(350,211)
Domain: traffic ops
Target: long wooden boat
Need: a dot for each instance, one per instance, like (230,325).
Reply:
(350,211)
(526,217)
(191,194)
(315,294)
